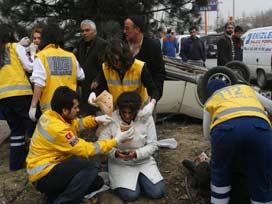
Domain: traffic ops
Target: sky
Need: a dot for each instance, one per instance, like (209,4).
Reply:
(248,7)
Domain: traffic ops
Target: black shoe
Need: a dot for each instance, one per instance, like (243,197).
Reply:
(190,166)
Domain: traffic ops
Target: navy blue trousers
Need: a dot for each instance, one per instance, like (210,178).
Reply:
(251,139)
(70,180)
(15,111)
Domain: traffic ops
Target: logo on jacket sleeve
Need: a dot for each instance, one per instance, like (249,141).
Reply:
(74,141)
(68,136)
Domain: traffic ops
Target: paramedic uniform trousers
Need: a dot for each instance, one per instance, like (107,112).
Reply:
(15,111)
(250,137)
(70,180)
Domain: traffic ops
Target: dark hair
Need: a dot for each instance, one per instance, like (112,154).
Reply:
(138,21)
(52,34)
(6,36)
(193,28)
(238,29)
(63,97)
(131,100)
(121,49)
(168,31)
(228,23)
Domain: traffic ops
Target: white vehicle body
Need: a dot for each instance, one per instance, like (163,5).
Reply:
(180,89)
(257,52)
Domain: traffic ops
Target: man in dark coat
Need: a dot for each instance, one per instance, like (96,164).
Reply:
(192,49)
(225,47)
(238,43)
(90,56)
(145,49)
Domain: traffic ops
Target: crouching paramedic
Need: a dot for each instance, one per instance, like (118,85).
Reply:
(236,121)
(58,161)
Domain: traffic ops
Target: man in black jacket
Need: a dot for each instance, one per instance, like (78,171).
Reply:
(192,49)
(145,49)
(90,56)
(225,47)
(238,43)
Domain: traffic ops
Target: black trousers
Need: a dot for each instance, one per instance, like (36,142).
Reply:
(70,180)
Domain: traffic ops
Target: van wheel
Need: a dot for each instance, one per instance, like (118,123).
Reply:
(261,79)
(240,69)
(220,72)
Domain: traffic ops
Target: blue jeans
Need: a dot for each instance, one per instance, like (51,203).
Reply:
(251,139)
(70,180)
(146,186)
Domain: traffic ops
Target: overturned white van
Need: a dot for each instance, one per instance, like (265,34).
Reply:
(257,54)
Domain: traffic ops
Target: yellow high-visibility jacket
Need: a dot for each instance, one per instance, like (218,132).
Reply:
(131,81)
(56,140)
(232,102)
(13,80)
(60,68)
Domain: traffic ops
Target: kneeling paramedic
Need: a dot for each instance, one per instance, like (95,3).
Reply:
(58,161)
(236,121)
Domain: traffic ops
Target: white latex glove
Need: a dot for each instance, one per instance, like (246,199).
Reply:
(33,49)
(123,136)
(91,99)
(32,113)
(103,119)
(148,109)
(25,41)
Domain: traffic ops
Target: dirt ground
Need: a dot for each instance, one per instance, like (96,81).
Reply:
(187,132)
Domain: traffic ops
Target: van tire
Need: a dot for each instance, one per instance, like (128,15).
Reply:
(261,79)
(220,72)
(239,68)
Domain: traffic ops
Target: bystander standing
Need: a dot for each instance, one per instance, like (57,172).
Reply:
(89,53)
(169,44)
(238,43)
(225,48)
(192,49)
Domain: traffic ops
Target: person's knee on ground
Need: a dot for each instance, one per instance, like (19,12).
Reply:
(96,184)
(157,191)
(127,194)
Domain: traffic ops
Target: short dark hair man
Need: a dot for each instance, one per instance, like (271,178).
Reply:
(225,49)
(192,49)
(145,49)
(238,43)
(57,162)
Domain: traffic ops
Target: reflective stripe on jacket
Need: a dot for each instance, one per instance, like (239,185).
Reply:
(232,102)
(60,68)
(131,81)
(13,80)
(55,140)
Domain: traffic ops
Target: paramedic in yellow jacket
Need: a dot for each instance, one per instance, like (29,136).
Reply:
(53,67)
(122,73)
(236,121)
(58,162)
(15,94)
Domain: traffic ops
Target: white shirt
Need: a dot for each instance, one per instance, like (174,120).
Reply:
(24,59)
(38,76)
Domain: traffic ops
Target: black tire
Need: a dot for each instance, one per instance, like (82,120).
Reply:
(240,69)
(220,72)
(261,79)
